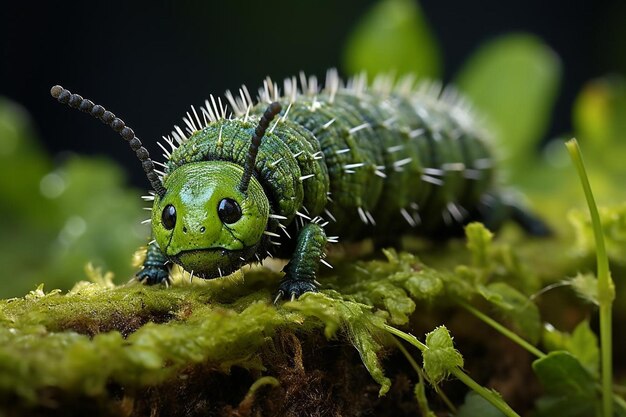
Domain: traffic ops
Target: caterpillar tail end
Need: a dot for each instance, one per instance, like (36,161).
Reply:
(531,224)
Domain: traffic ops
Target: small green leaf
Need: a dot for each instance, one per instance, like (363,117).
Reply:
(478,242)
(584,346)
(570,388)
(515,307)
(393,36)
(425,284)
(561,373)
(477,406)
(395,300)
(441,357)
(582,343)
(513,80)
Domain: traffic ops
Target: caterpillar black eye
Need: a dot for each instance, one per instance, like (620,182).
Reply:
(229,211)
(168,217)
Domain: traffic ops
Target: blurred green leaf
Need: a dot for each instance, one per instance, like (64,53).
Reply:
(477,406)
(582,343)
(613,221)
(22,165)
(393,36)
(515,307)
(59,219)
(479,243)
(570,388)
(620,406)
(600,120)
(513,80)
(100,221)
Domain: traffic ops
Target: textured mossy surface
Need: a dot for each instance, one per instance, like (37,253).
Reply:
(198,347)
(98,341)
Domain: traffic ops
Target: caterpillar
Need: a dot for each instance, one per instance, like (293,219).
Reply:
(296,170)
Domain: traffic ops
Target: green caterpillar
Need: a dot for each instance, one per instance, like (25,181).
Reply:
(348,161)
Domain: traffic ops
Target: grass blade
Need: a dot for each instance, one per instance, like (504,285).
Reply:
(606,290)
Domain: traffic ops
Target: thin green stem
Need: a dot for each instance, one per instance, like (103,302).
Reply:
(606,349)
(420,374)
(406,336)
(487,394)
(503,330)
(606,290)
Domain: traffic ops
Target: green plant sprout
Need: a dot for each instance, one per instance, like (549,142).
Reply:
(447,360)
(606,288)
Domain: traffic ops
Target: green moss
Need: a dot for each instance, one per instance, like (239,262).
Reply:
(135,336)
(100,339)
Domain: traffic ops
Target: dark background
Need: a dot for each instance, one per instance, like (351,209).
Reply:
(148,61)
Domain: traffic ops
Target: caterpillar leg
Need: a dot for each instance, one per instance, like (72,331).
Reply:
(155,269)
(302,269)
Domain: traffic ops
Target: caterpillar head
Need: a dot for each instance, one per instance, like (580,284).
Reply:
(209,217)
(213,214)
(204,222)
